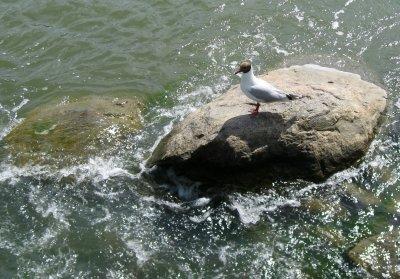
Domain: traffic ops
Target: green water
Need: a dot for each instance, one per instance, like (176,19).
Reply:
(107,218)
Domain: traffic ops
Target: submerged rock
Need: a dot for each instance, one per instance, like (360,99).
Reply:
(360,195)
(73,130)
(379,254)
(327,130)
(326,207)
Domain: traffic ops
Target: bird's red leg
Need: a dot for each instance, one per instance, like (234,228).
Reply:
(254,111)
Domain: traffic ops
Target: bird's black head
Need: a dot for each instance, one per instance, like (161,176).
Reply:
(244,67)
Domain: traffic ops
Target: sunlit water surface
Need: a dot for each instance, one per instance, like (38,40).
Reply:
(106,218)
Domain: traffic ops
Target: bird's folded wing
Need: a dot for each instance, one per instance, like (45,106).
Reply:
(267,93)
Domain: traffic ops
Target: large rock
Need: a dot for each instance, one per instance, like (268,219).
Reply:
(327,130)
(71,131)
(379,255)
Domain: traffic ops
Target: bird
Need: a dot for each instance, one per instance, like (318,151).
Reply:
(258,89)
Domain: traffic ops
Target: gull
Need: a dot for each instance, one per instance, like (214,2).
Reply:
(258,89)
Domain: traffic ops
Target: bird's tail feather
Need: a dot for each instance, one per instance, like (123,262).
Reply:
(292,97)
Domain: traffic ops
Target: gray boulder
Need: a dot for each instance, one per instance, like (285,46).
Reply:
(327,130)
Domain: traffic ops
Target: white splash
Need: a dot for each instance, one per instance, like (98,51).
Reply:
(12,115)
(348,2)
(250,208)
(335,23)
(187,102)
(96,170)
(107,216)
(397,104)
(220,8)
(48,208)
(171,205)
(12,174)
(200,218)
(141,254)
(200,202)
(281,51)
(222,254)
(298,14)
(277,47)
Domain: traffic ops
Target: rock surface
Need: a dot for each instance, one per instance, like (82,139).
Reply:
(325,131)
(379,255)
(71,131)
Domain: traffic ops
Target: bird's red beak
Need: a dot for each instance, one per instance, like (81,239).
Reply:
(238,71)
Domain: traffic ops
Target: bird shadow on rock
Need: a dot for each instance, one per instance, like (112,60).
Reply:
(255,131)
(240,145)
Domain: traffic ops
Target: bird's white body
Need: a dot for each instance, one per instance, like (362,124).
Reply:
(259,90)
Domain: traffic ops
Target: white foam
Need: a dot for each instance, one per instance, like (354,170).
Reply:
(281,51)
(141,254)
(48,208)
(12,115)
(397,104)
(186,100)
(336,14)
(201,91)
(277,47)
(96,169)
(12,174)
(250,208)
(222,254)
(220,8)
(46,240)
(18,107)
(335,25)
(200,218)
(113,130)
(201,202)
(55,265)
(110,195)
(171,205)
(107,216)
(298,14)
(166,129)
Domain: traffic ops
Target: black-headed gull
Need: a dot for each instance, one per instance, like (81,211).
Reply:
(258,89)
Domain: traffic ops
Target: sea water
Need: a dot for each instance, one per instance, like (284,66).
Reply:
(106,218)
